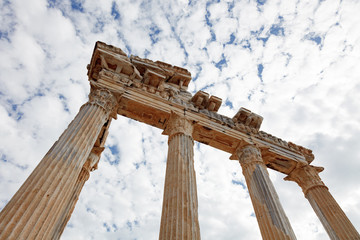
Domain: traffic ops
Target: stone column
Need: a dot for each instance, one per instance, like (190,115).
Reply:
(90,165)
(179,219)
(44,197)
(273,223)
(334,220)
(82,178)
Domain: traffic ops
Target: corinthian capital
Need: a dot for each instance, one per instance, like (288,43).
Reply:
(178,124)
(103,98)
(249,154)
(306,176)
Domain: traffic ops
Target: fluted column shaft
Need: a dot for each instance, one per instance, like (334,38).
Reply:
(90,165)
(333,218)
(74,197)
(273,222)
(179,220)
(43,197)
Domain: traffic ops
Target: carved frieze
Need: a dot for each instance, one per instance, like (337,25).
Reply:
(171,75)
(113,59)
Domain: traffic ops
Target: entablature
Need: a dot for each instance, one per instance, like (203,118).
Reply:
(150,91)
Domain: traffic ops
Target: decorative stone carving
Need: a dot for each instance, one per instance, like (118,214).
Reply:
(173,75)
(306,176)
(201,100)
(214,104)
(111,58)
(154,79)
(249,154)
(103,98)
(248,118)
(178,124)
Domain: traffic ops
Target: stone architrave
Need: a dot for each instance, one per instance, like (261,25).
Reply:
(273,222)
(333,218)
(179,219)
(43,198)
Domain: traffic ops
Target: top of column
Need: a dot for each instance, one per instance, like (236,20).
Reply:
(178,124)
(306,176)
(105,99)
(249,154)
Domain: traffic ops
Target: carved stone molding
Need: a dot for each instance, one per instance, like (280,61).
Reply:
(178,124)
(249,154)
(306,176)
(248,118)
(103,98)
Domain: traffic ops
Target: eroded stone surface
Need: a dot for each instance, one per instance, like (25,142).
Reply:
(272,220)
(306,176)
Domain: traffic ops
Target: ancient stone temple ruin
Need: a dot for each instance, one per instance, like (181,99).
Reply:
(156,93)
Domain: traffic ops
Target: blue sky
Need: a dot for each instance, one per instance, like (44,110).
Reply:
(293,62)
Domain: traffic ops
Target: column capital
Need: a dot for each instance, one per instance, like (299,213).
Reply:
(178,124)
(103,98)
(249,154)
(306,176)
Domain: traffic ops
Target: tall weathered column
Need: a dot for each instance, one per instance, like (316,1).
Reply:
(82,178)
(90,165)
(273,223)
(334,220)
(179,219)
(44,196)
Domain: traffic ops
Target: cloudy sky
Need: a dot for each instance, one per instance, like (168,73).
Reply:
(296,63)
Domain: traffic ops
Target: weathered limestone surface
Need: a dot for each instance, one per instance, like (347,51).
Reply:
(43,199)
(84,175)
(179,219)
(90,165)
(333,218)
(273,223)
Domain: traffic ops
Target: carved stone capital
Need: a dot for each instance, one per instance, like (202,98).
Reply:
(103,98)
(178,124)
(306,176)
(249,154)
